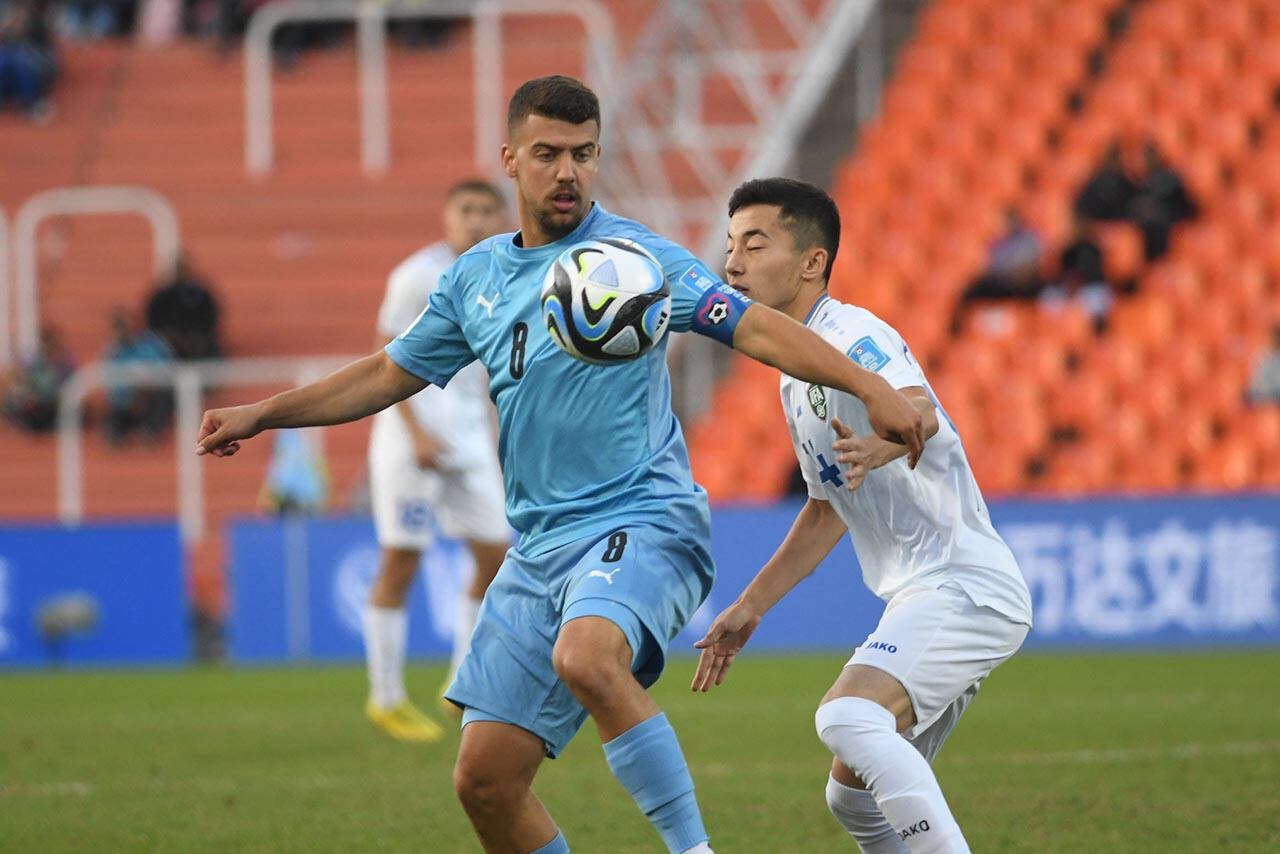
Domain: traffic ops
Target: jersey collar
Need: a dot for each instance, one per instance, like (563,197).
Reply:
(814,311)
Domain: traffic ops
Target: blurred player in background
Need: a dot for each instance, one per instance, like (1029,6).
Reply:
(614,552)
(431,455)
(957,603)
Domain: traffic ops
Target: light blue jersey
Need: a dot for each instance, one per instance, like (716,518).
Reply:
(585,449)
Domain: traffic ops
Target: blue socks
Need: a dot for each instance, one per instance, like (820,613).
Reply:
(555,846)
(648,762)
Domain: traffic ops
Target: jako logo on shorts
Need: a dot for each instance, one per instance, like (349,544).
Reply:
(887,647)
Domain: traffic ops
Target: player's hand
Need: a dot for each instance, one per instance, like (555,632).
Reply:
(427,450)
(727,636)
(853,451)
(895,419)
(221,430)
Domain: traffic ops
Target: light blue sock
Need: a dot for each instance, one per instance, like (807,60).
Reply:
(648,762)
(555,846)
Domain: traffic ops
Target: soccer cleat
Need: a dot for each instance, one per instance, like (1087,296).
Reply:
(404,722)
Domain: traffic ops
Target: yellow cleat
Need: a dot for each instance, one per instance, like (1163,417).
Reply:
(404,722)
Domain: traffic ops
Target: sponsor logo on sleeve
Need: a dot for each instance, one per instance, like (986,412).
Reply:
(698,279)
(868,354)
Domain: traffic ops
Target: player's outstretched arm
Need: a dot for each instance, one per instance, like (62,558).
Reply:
(359,389)
(865,454)
(813,535)
(773,338)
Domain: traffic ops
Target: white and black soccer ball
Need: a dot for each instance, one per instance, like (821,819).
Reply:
(606,301)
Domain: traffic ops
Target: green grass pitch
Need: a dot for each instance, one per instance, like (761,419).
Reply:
(1060,753)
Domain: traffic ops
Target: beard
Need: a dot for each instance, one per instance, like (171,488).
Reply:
(556,225)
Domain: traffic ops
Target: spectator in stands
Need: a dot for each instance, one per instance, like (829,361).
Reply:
(1161,202)
(134,408)
(31,401)
(1013,267)
(1082,276)
(183,311)
(1264,387)
(1108,195)
(28,61)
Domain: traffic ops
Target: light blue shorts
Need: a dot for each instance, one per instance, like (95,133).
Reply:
(645,580)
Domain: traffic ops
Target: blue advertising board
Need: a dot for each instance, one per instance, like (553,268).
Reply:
(96,594)
(1105,573)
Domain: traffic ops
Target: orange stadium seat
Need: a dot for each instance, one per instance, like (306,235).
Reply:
(1230,22)
(1209,60)
(1076,24)
(1170,21)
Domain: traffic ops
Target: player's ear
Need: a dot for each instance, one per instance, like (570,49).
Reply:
(509,159)
(815,263)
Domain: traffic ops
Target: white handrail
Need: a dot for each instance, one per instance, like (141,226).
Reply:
(846,22)
(370,17)
(81,200)
(188,380)
(6,297)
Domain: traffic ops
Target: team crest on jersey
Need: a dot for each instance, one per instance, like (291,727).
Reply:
(818,400)
(867,354)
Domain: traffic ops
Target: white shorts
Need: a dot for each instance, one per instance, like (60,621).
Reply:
(467,503)
(940,645)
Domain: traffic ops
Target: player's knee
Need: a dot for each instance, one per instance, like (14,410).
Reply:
(481,789)
(850,725)
(587,672)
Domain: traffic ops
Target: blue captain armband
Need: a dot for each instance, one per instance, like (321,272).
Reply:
(717,312)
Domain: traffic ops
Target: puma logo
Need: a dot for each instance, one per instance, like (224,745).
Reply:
(607,576)
(481,299)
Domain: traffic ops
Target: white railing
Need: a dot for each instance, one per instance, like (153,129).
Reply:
(188,381)
(370,17)
(80,200)
(6,299)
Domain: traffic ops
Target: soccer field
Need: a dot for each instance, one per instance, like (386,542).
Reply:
(1061,753)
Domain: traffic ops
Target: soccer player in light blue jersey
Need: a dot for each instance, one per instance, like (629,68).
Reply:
(614,550)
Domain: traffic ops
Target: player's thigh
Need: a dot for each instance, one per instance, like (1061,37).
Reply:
(398,492)
(937,643)
(646,581)
(507,676)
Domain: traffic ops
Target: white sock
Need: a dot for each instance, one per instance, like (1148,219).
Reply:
(464,623)
(385,635)
(858,812)
(863,736)
(700,848)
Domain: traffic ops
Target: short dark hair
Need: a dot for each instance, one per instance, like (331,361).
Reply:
(474,185)
(555,97)
(807,212)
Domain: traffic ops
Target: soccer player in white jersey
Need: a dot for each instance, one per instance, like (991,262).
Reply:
(957,603)
(433,454)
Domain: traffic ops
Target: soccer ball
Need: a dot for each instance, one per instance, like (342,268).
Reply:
(606,301)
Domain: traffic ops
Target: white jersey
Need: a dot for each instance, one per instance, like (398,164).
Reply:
(929,526)
(457,415)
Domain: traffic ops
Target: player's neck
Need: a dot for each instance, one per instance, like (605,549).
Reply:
(802,306)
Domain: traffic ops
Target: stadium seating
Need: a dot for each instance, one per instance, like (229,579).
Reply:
(979,115)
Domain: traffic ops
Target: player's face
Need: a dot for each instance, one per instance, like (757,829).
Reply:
(554,165)
(469,217)
(763,261)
